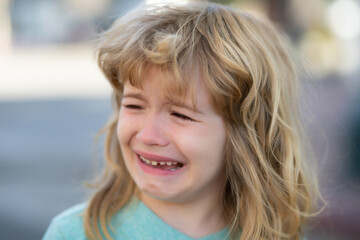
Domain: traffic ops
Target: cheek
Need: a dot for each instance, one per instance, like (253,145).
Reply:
(205,145)
(125,129)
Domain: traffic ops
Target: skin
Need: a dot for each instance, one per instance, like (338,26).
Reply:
(162,129)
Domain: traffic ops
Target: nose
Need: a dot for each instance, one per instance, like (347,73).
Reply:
(152,132)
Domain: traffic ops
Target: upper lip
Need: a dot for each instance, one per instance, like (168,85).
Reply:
(154,157)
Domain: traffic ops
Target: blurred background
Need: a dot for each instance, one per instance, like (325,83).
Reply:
(53,100)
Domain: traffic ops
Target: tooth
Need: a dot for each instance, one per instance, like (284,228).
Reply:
(168,163)
(147,161)
(174,163)
(154,163)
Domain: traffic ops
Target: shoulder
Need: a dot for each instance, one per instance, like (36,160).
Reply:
(67,225)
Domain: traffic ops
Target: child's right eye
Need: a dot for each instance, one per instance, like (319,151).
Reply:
(131,106)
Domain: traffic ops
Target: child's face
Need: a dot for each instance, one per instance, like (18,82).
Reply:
(172,153)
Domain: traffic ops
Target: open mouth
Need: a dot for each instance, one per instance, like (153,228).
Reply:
(164,165)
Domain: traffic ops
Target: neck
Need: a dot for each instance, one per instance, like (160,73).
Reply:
(196,218)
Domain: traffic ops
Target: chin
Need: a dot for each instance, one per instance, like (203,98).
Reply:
(158,193)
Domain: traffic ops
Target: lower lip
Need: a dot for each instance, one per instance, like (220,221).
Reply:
(158,171)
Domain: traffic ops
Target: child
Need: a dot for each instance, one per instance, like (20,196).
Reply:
(205,141)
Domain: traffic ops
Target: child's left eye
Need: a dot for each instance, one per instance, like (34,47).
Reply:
(182,116)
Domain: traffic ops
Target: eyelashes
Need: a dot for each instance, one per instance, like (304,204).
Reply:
(181,116)
(130,106)
(175,114)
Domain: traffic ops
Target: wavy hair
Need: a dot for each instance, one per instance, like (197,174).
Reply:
(252,82)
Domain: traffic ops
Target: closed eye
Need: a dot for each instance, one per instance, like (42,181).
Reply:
(131,106)
(181,116)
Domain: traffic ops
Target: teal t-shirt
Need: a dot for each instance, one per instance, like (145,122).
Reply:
(134,221)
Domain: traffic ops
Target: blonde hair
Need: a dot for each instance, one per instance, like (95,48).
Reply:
(252,82)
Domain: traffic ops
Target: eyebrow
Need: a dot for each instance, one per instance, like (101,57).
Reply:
(171,101)
(135,95)
(184,105)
